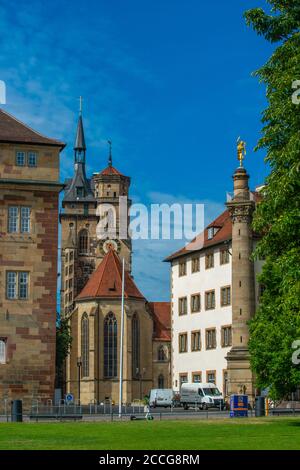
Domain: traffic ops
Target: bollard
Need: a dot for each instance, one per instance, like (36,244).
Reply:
(16,411)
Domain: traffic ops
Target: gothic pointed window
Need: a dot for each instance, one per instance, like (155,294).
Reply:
(161,381)
(161,354)
(85,345)
(110,346)
(83,242)
(135,346)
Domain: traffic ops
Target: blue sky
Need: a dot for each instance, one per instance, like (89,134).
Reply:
(169,82)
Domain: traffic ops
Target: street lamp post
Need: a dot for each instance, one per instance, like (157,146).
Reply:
(79,365)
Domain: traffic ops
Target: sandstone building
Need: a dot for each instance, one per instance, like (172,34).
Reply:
(91,275)
(29,192)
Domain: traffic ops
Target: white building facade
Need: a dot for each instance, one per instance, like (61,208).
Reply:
(201,306)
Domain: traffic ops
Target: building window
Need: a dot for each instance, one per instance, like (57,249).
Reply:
(210,338)
(195,303)
(71,256)
(225,296)
(196,377)
(161,355)
(196,341)
(135,346)
(110,346)
(210,300)
(17,285)
(182,306)
(2,351)
(13,219)
(85,209)
(183,378)
(83,242)
(225,383)
(226,334)
(23,285)
(20,158)
(70,297)
(80,191)
(224,256)
(161,381)
(25,219)
(183,343)
(70,283)
(210,233)
(85,349)
(195,264)
(32,158)
(182,268)
(209,260)
(211,376)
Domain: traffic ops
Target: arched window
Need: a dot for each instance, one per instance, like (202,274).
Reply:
(135,346)
(161,381)
(85,349)
(83,242)
(162,356)
(110,346)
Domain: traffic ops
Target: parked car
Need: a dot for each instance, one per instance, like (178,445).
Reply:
(161,397)
(201,395)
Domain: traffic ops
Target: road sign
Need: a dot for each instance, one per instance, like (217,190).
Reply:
(69,398)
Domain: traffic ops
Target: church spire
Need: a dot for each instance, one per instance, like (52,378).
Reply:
(110,154)
(80,147)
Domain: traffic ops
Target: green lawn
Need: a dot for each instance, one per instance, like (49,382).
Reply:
(264,433)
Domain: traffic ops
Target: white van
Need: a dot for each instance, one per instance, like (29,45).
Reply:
(201,395)
(161,397)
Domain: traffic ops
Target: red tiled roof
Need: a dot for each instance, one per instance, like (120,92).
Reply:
(13,130)
(106,281)
(224,225)
(224,233)
(162,320)
(110,170)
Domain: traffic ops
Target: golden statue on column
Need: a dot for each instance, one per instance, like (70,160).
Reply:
(241,150)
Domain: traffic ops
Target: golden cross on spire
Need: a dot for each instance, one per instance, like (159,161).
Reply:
(241,151)
(80,104)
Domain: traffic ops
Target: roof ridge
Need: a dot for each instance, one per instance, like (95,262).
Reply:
(30,128)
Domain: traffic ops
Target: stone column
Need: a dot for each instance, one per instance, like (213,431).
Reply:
(240,377)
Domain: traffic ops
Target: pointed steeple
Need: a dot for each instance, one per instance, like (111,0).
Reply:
(79,146)
(79,188)
(80,140)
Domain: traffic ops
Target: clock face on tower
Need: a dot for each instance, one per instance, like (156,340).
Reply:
(109,244)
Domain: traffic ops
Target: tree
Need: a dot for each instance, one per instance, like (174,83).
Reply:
(63,344)
(277,322)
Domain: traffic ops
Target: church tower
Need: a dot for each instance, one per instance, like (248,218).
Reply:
(113,204)
(78,221)
(240,377)
(86,204)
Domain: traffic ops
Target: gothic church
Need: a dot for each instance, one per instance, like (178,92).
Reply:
(91,286)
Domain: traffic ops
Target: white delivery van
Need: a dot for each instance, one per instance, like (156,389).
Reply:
(201,395)
(161,397)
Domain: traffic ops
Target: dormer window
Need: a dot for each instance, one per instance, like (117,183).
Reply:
(80,192)
(211,232)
